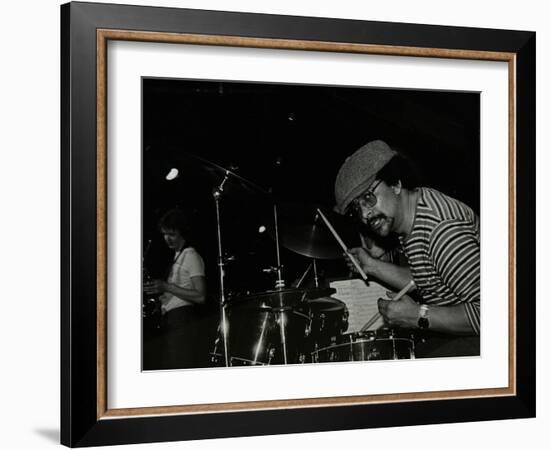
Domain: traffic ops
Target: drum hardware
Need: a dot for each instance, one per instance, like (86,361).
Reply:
(273,269)
(313,266)
(229,258)
(279,283)
(303,277)
(315,273)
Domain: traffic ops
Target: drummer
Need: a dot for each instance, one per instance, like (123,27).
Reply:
(439,235)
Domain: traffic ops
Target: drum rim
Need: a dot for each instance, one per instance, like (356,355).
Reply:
(332,304)
(344,344)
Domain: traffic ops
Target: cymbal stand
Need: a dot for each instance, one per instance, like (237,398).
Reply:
(315,274)
(280,284)
(304,275)
(217,194)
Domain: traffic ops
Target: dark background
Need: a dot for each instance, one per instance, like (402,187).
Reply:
(288,140)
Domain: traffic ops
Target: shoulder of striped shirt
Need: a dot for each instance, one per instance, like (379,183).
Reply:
(444,226)
(446,207)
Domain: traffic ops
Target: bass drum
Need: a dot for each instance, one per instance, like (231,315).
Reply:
(382,344)
(254,328)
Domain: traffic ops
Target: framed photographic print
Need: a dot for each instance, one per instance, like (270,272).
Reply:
(268,220)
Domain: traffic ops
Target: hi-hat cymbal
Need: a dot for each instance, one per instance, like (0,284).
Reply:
(303,232)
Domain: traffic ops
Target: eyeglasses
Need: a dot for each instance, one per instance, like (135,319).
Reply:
(367,199)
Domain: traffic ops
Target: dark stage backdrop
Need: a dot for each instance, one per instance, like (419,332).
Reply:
(288,140)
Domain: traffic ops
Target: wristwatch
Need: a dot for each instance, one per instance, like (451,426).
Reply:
(423,317)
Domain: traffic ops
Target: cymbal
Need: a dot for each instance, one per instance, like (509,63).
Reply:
(301,231)
(278,298)
(271,299)
(233,182)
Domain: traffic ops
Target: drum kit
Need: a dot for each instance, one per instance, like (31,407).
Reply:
(291,325)
(262,332)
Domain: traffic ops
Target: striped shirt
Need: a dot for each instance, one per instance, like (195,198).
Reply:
(443,253)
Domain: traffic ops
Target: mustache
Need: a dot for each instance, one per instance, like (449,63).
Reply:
(372,219)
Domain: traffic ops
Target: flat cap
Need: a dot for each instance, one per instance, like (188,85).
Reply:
(359,171)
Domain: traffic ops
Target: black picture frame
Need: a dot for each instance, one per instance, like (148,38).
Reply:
(82,424)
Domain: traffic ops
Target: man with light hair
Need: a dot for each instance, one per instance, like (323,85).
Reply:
(181,294)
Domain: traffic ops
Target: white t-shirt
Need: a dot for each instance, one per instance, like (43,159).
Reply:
(187,264)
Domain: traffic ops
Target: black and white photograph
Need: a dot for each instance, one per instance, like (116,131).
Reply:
(277,224)
(287,224)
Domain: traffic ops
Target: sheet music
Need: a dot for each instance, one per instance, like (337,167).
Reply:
(361,300)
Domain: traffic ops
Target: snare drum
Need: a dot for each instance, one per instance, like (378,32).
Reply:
(382,344)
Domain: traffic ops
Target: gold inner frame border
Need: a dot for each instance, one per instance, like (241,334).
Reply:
(105,35)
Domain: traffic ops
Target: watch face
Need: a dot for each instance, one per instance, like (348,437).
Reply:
(423,323)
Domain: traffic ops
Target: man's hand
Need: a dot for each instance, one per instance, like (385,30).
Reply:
(155,287)
(361,255)
(374,250)
(400,313)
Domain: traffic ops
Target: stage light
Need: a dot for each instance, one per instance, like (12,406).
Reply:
(261,229)
(173,174)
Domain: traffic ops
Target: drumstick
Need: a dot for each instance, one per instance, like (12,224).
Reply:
(351,257)
(397,296)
